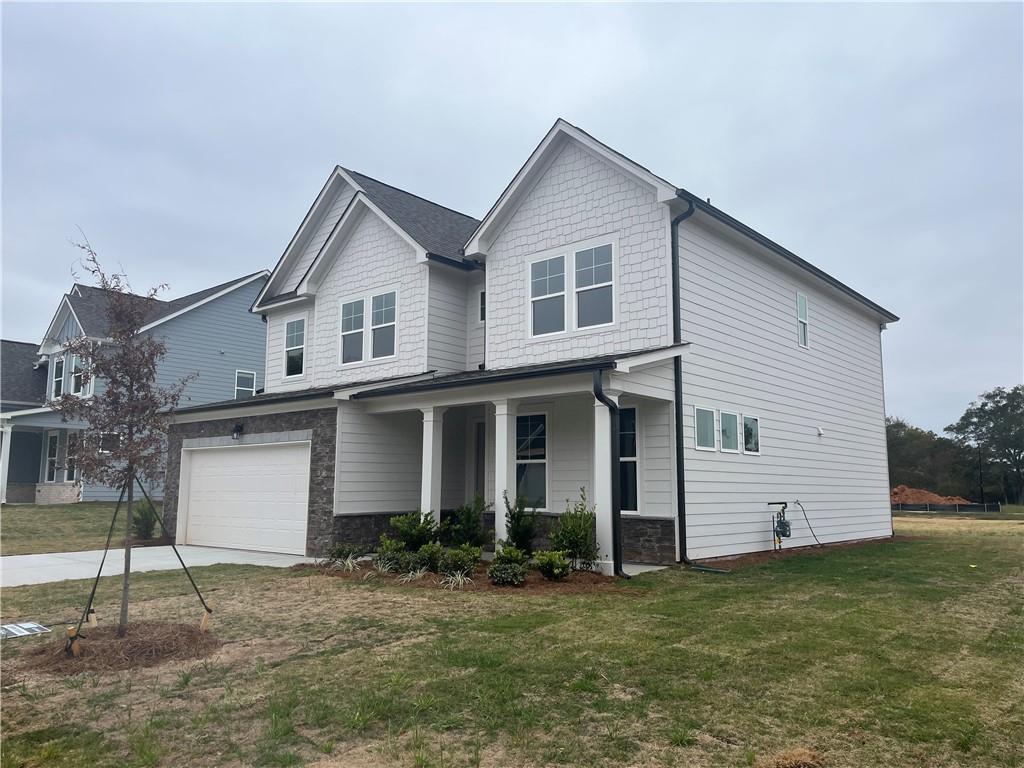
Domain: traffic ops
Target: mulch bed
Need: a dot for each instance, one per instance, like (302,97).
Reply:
(146,644)
(737,562)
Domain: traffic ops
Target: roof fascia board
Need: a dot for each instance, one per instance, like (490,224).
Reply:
(346,393)
(635,362)
(246,408)
(233,287)
(51,329)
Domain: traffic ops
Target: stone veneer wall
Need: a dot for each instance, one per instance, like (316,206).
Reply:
(322,423)
(650,540)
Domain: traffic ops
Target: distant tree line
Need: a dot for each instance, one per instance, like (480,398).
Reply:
(981,459)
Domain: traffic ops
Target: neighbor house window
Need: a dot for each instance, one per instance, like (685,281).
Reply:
(294,347)
(352,332)
(547,296)
(802,332)
(531,459)
(704,428)
(594,299)
(76,375)
(627,460)
(729,431)
(70,468)
(382,325)
(483,307)
(109,442)
(58,377)
(245,384)
(52,442)
(751,435)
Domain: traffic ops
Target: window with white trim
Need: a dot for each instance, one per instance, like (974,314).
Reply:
(593,286)
(109,442)
(547,296)
(628,492)
(57,381)
(70,466)
(382,324)
(352,331)
(802,328)
(751,434)
(52,444)
(295,347)
(531,459)
(704,428)
(245,384)
(482,316)
(729,432)
(78,385)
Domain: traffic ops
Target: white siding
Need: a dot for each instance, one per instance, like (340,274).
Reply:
(579,197)
(446,320)
(475,330)
(739,315)
(379,461)
(655,457)
(276,322)
(317,239)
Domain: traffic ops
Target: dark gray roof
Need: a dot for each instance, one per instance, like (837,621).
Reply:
(21,383)
(439,230)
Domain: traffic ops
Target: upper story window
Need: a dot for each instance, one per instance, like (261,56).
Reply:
(482,316)
(382,324)
(627,460)
(587,275)
(295,347)
(352,331)
(358,345)
(78,384)
(245,384)
(57,385)
(802,329)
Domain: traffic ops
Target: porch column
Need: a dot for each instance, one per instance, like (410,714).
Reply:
(504,462)
(430,484)
(603,480)
(5,459)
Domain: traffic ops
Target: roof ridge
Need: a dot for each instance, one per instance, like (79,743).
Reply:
(407,192)
(23,343)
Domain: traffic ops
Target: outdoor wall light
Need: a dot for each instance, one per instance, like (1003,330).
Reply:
(236,433)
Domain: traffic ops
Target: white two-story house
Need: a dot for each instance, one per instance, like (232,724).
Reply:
(600,328)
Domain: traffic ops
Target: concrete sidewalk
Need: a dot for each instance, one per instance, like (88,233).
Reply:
(16,570)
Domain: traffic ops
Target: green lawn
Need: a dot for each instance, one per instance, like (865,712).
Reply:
(897,653)
(31,528)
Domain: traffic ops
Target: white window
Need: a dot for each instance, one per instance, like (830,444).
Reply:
(482,316)
(802,329)
(76,375)
(70,467)
(57,387)
(704,428)
(729,432)
(52,443)
(594,289)
(628,495)
(382,325)
(531,459)
(751,435)
(109,442)
(245,384)
(352,332)
(547,296)
(295,347)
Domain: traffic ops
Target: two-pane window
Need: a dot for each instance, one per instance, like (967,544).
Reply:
(587,275)
(352,331)
(356,345)
(52,443)
(594,286)
(531,459)
(627,460)
(802,329)
(295,347)
(547,296)
(70,467)
(382,324)
(245,384)
(58,378)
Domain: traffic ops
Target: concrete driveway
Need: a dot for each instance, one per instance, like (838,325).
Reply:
(16,570)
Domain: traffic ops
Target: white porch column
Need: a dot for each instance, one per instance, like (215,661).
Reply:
(504,462)
(430,484)
(5,459)
(603,480)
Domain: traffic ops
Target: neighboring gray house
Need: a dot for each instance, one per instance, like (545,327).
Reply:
(599,328)
(210,333)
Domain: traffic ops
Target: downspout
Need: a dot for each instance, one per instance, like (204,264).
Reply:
(677,368)
(613,412)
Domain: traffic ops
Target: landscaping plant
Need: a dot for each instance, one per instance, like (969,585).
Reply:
(507,574)
(144,521)
(552,564)
(575,533)
(520,524)
(414,530)
(461,559)
(466,524)
(429,556)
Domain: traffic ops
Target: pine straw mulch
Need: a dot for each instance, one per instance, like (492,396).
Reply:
(145,644)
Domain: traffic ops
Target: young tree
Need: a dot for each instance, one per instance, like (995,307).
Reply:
(127,418)
(995,425)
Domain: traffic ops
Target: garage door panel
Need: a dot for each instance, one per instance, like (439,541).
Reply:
(249,497)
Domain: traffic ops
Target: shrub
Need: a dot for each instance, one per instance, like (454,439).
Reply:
(341,552)
(575,534)
(510,555)
(552,564)
(466,524)
(143,520)
(520,524)
(429,556)
(414,530)
(461,559)
(390,553)
(507,574)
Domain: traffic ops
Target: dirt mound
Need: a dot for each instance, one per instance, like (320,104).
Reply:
(793,758)
(146,644)
(901,494)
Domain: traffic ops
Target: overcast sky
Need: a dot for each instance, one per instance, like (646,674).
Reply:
(883,143)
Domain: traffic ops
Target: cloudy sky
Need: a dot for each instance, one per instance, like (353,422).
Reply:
(881,142)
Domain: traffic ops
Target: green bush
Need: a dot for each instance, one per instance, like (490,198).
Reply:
(461,559)
(466,524)
(520,524)
(414,530)
(575,534)
(143,520)
(511,555)
(390,552)
(507,574)
(342,552)
(552,564)
(429,556)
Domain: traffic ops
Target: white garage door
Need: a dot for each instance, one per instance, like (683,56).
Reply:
(248,497)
